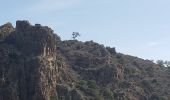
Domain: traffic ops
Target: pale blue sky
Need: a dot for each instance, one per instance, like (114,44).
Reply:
(135,27)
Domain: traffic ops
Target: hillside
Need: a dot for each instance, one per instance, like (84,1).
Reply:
(36,65)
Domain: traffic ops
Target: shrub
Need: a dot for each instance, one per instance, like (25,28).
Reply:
(54,98)
(109,94)
(92,84)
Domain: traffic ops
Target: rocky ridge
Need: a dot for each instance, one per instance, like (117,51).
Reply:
(36,65)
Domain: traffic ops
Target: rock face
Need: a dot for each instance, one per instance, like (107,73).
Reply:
(36,65)
(29,69)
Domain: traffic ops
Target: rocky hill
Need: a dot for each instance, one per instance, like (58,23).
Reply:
(36,65)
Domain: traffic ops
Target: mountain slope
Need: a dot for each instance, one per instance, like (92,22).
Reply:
(36,65)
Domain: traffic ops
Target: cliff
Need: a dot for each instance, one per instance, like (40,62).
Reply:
(36,65)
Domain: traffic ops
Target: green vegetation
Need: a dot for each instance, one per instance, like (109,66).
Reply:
(54,98)
(92,84)
(75,35)
(81,85)
(109,94)
(82,82)
(89,87)
(130,71)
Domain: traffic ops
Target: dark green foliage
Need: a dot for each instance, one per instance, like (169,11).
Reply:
(154,81)
(81,85)
(92,84)
(75,35)
(54,98)
(130,71)
(91,88)
(108,93)
(94,88)
(146,85)
(82,82)
(124,84)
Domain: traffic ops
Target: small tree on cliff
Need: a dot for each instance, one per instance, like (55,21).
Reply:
(75,35)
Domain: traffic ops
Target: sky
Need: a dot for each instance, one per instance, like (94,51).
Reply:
(135,27)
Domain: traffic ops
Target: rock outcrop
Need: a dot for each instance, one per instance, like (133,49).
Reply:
(36,65)
(5,30)
(29,70)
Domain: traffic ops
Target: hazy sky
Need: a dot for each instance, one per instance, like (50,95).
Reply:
(135,27)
